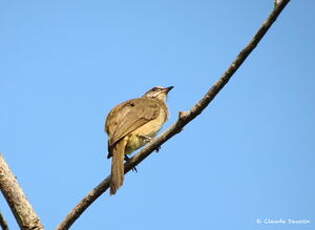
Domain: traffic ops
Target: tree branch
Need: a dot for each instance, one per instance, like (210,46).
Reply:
(3,223)
(184,118)
(24,213)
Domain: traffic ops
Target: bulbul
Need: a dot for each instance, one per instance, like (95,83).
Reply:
(130,125)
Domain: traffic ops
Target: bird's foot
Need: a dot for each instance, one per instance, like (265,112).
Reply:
(127,159)
(158,149)
(145,138)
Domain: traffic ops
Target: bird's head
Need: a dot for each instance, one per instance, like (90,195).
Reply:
(158,92)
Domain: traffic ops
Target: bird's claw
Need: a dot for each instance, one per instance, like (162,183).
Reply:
(158,149)
(127,159)
(146,139)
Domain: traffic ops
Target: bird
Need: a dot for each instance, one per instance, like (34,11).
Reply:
(132,124)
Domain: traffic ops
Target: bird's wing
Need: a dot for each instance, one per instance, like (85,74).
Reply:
(129,116)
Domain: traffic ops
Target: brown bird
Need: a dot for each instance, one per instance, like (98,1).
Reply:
(132,124)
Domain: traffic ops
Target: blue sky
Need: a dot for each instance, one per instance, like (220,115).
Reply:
(249,156)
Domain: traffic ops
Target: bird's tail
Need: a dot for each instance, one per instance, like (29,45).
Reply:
(117,174)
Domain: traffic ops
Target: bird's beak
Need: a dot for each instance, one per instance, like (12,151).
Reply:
(167,89)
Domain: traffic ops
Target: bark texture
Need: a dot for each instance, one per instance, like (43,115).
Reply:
(14,195)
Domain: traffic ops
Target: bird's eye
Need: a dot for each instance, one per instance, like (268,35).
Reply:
(154,89)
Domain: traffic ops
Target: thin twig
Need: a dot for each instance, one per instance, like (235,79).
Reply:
(3,223)
(184,118)
(24,214)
